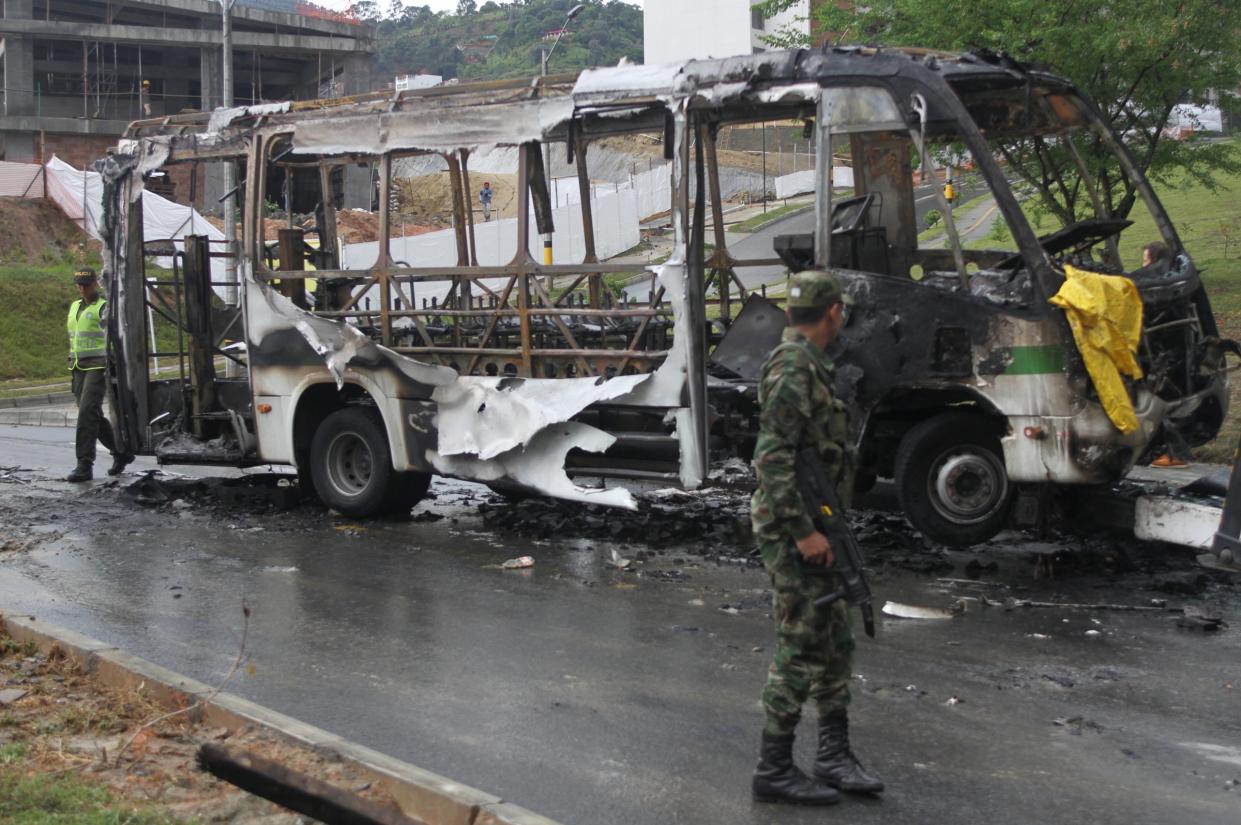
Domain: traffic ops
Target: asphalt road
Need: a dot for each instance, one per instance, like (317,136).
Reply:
(604,697)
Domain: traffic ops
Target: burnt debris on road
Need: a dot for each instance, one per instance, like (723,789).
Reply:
(625,615)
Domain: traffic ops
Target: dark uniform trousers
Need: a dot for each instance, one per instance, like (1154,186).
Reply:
(89,388)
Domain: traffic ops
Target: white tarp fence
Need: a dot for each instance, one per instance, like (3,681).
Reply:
(653,189)
(79,195)
(799,183)
(616,229)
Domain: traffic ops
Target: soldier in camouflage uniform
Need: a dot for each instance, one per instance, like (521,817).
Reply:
(814,647)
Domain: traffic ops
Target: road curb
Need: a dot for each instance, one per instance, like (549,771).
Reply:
(44,400)
(423,794)
(38,418)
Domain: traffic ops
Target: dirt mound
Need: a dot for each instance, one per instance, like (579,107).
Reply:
(353,226)
(359,226)
(37,231)
(429,197)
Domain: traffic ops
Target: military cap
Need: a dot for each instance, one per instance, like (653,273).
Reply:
(84,276)
(814,288)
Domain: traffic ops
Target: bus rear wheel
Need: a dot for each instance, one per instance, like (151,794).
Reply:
(351,466)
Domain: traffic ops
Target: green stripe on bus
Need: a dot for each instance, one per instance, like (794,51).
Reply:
(1036,360)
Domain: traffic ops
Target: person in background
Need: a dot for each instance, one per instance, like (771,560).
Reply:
(1156,252)
(484,198)
(88,364)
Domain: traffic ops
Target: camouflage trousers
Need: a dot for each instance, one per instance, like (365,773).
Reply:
(814,646)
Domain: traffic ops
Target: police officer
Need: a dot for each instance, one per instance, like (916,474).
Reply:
(88,364)
(814,646)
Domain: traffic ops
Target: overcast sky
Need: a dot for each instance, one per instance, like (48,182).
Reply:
(438,5)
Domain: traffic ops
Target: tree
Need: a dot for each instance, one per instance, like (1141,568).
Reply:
(1137,59)
(365,10)
(420,38)
(466,7)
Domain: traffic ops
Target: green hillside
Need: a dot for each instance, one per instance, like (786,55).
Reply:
(32,341)
(490,40)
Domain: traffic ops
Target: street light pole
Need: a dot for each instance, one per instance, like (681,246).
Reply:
(231,296)
(547,149)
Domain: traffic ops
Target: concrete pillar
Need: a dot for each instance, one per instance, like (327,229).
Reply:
(209,71)
(213,173)
(356,77)
(20,147)
(19,97)
(18,62)
(177,85)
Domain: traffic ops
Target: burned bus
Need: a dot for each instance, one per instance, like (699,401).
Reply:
(966,385)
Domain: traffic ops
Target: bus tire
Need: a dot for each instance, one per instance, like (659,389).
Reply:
(952,481)
(351,463)
(405,490)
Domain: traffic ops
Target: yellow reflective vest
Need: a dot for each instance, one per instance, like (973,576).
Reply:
(88,347)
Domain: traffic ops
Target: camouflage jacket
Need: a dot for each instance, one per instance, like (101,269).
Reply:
(798,411)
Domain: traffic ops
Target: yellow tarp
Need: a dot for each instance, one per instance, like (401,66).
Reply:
(1105,314)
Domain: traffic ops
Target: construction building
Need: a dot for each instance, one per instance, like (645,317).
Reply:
(76,72)
(699,29)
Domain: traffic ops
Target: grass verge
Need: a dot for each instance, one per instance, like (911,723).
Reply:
(74,751)
(33,341)
(756,222)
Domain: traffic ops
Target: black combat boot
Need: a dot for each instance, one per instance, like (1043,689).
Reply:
(835,763)
(119,462)
(777,779)
(82,472)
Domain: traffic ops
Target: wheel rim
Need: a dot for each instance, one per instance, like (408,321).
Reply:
(350,464)
(968,485)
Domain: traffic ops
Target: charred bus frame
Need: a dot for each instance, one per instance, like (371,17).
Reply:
(516,380)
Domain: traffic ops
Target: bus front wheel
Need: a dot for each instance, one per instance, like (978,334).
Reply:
(952,481)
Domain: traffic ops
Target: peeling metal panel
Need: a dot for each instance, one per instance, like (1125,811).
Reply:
(539,465)
(482,127)
(339,344)
(486,429)
(486,417)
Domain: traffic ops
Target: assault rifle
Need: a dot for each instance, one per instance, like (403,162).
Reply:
(823,507)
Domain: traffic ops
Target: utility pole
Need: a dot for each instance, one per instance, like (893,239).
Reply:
(230,175)
(231,297)
(764,128)
(547,149)
(547,167)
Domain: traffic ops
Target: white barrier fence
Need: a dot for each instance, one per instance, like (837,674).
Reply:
(653,189)
(801,183)
(616,229)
